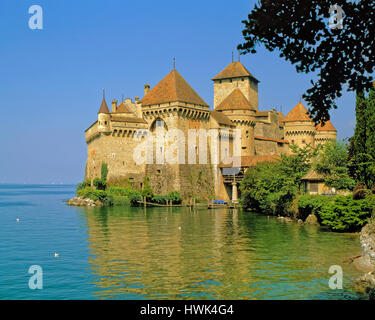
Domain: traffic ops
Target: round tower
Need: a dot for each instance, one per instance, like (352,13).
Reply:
(325,133)
(239,110)
(299,129)
(104,117)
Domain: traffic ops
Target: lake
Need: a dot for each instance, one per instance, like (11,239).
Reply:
(162,253)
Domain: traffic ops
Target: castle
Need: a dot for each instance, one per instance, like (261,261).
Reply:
(173,103)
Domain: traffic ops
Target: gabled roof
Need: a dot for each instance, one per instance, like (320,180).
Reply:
(312,175)
(103,107)
(298,113)
(328,126)
(171,89)
(234,70)
(235,101)
(122,108)
(221,118)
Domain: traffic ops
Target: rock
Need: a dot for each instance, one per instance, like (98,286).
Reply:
(312,219)
(366,285)
(300,221)
(98,203)
(364,264)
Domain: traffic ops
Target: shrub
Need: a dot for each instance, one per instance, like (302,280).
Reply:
(100,184)
(345,213)
(360,194)
(159,199)
(121,201)
(175,196)
(95,195)
(308,204)
(104,172)
(134,198)
(83,185)
(120,191)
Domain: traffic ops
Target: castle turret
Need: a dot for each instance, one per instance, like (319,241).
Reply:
(325,133)
(235,76)
(299,129)
(239,110)
(104,117)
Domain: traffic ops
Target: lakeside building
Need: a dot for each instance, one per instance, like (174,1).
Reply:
(174,104)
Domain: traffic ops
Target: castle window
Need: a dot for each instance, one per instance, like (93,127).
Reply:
(230,80)
(244,148)
(243,79)
(292,141)
(303,141)
(105,122)
(158,171)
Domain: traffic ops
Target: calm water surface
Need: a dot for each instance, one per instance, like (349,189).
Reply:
(162,253)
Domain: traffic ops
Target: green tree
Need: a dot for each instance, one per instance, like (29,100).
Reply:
(147,190)
(299,31)
(332,162)
(270,187)
(360,160)
(104,171)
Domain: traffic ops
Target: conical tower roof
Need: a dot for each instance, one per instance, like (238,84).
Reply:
(234,70)
(235,101)
(173,88)
(103,107)
(298,113)
(328,126)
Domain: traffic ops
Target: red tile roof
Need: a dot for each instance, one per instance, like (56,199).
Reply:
(171,89)
(234,70)
(328,126)
(221,118)
(103,107)
(121,108)
(271,139)
(235,101)
(252,161)
(298,113)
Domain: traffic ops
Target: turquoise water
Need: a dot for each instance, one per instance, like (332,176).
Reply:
(161,253)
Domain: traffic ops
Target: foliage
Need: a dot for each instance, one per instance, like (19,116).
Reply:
(173,196)
(299,31)
(332,163)
(100,184)
(308,204)
(271,187)
(120,191)
(360,194)
(83,185)
(346,214)
(339,213)
(104,171)
(95,195)
(121,201)
(135,197)
(147,190)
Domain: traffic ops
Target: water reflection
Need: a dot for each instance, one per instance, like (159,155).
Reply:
(179,253)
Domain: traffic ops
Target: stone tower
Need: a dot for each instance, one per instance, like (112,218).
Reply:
(325,133)
(104,117)
(172,104)
(239,110)
(235,76)
(299,129)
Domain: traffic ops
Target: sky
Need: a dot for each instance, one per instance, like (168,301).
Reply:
(51,80)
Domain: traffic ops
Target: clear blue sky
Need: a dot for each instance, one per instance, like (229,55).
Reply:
(51,80)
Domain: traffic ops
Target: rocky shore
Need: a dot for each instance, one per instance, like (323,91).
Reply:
(366,262)
(83,202)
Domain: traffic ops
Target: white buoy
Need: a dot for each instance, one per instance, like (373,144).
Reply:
(18,219)
(57,255)
(179,228)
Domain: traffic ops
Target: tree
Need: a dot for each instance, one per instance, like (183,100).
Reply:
(362,148)
(299,30)
(104,171)
(332,163)
(271,187)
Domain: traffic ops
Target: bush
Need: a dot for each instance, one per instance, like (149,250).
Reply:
(360,194)
(83,185)
(121,201)
(159,199)
(308,204)
(134,198)
(100,184)
(346,214)
(120,191)
(175,196)
(95,195)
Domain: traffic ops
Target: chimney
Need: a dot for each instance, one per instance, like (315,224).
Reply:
(114,105)
(147,89)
